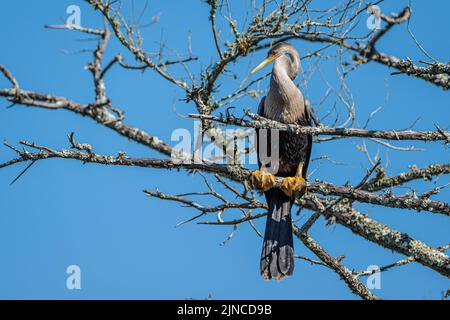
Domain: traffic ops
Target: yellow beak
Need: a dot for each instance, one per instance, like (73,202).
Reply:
(265,63)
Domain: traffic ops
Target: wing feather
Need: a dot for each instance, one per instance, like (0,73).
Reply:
(308,120)
(260,112)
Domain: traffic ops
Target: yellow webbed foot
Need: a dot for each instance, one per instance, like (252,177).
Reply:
(262,180)
(293,185)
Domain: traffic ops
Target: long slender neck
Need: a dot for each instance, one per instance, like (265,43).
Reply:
(284,100)
(281,83)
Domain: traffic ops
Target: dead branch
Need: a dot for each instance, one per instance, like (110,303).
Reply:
(263,123)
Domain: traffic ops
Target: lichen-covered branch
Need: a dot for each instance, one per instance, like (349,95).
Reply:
(381,181)
(388,199)
(96,113)
(385,236)
(264,123)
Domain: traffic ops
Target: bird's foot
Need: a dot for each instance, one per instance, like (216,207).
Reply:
(262,180)
(293,186)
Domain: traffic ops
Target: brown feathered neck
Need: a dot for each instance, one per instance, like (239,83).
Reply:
(284,101)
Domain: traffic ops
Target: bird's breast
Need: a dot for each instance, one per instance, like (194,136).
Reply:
(284,110)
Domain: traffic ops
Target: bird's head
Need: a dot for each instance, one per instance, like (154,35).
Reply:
(278,50)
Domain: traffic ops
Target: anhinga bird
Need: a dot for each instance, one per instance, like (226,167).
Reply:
(284,103)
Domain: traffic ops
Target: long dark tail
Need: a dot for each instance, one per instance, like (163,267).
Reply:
(277,257)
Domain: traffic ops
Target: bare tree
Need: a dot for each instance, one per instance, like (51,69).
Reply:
(332,32)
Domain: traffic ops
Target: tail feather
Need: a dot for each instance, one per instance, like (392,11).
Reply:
(277,257)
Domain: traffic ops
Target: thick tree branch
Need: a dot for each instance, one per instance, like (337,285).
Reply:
(381,181)
(96,113)
(388,199)
(385,236)
(235,172)
(264,123)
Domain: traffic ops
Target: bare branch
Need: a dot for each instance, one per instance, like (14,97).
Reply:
(97,32)
(345,274)
(136,50)
(381,234)
(381,181)
(264,123)
(9,76)
(395,264)
(387,199)
(100,115)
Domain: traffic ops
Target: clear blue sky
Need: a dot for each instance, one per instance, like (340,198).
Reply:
(63,212)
